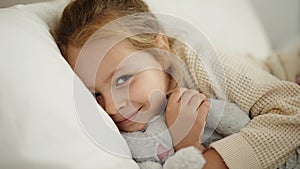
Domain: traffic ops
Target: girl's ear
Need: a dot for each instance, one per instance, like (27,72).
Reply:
(163,42)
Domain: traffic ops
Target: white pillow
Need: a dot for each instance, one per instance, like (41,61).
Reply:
(41,101)
(230,25)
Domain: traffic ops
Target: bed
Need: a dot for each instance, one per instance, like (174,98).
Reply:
(39,101)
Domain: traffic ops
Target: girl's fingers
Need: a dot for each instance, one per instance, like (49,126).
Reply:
(203,111)
(197,100)
(187,96)
(176,96)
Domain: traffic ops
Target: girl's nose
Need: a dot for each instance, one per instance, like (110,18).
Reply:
(113,106)
(114,101)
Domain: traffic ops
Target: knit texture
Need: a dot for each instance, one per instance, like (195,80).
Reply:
(273,134)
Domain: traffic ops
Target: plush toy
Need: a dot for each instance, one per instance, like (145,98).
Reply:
(293,162)
(152,148)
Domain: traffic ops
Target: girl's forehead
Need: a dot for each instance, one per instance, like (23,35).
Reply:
(124,53)
(100,61)
(128,59)
(72,55)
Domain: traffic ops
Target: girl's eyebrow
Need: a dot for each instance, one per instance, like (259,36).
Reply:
(92,89)
(113,72)
(107,79)
(109,76)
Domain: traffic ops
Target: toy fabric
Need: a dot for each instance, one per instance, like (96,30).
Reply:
(293,162)
(152,148)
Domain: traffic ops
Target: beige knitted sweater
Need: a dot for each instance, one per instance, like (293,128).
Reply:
(273,134)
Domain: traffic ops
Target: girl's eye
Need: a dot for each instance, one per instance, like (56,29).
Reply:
(99,98)
(96,95)
(123,79)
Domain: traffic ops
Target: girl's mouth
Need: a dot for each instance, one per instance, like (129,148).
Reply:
(128,119)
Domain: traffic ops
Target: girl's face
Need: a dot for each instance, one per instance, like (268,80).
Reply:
(129,84)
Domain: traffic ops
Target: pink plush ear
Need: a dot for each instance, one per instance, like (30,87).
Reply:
(162,152)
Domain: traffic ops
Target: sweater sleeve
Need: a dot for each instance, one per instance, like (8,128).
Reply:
(273,134)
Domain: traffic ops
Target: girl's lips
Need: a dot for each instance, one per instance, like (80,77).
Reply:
(128,119)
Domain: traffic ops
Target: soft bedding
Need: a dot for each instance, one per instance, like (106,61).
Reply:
(40,105)
(39,126)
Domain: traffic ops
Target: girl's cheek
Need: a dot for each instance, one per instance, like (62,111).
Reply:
(138,90)
(141,91)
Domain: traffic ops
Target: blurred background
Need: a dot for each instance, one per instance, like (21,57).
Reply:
(280,18)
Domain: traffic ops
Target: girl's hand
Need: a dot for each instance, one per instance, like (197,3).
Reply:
(185,117)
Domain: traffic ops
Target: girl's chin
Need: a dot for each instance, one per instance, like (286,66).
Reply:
(133,127)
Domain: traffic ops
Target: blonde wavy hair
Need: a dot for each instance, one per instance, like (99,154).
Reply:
(81,19)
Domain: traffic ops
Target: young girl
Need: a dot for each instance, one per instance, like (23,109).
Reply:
(269,139)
